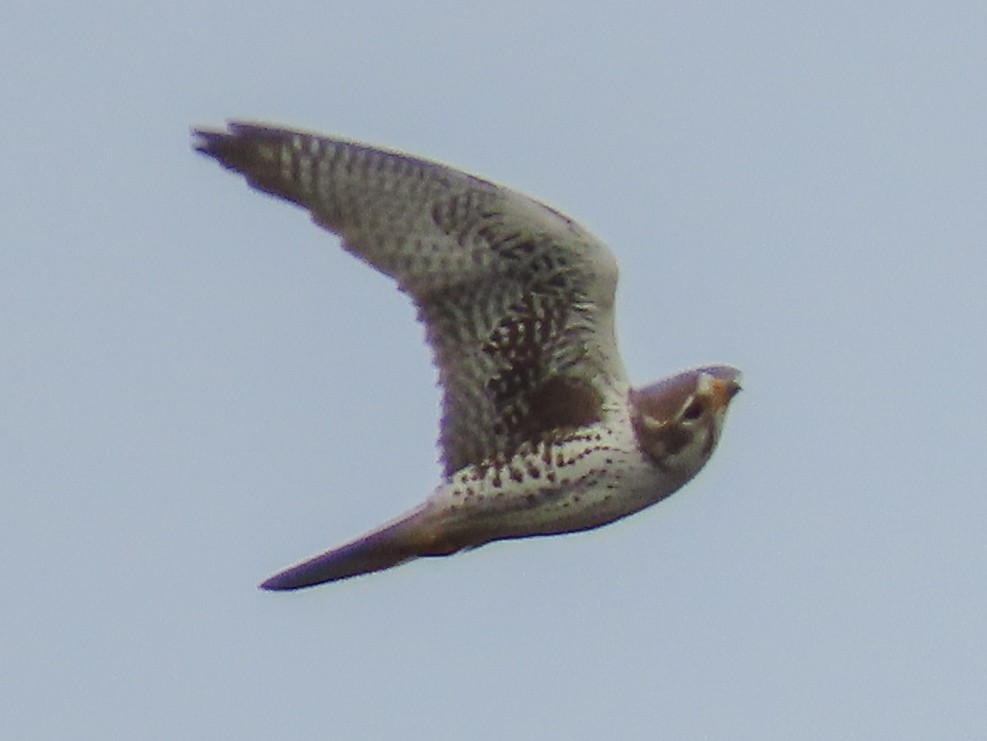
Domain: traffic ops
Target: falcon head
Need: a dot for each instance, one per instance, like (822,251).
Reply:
(678,420)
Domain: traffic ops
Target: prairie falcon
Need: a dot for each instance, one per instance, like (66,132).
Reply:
(541,432)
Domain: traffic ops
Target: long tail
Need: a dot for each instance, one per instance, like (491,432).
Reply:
(401,540)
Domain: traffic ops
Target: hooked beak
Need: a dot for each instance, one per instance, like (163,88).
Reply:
(723,390)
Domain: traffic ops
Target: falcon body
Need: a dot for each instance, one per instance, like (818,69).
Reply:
(541,432)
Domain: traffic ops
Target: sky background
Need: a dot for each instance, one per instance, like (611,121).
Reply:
(198,387)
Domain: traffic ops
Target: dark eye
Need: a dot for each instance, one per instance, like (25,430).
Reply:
(694,411)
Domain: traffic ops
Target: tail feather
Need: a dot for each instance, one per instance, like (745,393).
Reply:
(395,543)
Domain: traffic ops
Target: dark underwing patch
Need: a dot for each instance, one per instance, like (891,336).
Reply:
(564,402)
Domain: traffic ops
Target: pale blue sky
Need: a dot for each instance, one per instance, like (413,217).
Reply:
(198,387)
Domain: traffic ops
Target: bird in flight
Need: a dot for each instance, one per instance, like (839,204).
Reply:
(541,432)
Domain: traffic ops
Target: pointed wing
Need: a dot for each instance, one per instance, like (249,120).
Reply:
(517,299)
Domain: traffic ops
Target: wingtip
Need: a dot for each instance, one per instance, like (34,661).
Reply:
(208,139)
(246,148)
(205,140)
